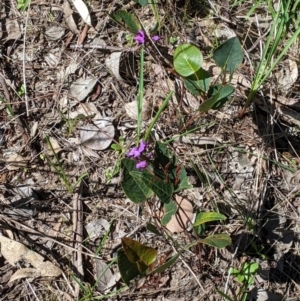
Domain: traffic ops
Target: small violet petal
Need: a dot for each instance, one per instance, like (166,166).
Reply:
(142,146)
(140,37)
(141,165)
(155,38)
(133,153)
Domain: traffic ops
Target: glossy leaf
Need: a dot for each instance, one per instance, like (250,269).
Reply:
(216,240)
(128,270)
(164,190)
(218,95)
(126,19)
(205,217)
(152,228)
(170,209)
(229,55)
(198,82)
(137,191)
(187,59)
(137,252)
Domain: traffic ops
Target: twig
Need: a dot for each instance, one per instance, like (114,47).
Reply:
(78,238)
(24,65)
(103,47)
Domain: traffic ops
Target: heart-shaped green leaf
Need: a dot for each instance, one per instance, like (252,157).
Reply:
(137,191)
(128,270)
(137,252)
(170,209)
(164,190)
(218,95)
(198,82)
(187,59)
(205,217)
(229,55)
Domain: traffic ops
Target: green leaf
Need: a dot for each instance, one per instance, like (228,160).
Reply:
(141,2)
(229,55)
(166,265)
(152,228)
(216,240)
(126,19)
(137,252)
(137,191)
(250,268)
(198,82)
(187,59)
(164,190)
(205,217)
(183,180)
(128,270)
(170,209)
(218,94)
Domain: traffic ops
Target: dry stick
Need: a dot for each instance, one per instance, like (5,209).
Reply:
(31,230)
(78,238)
(24,65)
(104,47)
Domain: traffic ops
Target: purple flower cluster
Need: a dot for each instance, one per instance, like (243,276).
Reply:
(137,153)
(140,38)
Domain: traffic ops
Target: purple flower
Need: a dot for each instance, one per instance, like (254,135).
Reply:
(140,37)
(133,153)
(141,165)
(142,146)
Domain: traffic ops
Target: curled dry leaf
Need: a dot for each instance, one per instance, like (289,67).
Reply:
(122,65)
(180,220)
(16,161)
(12,29)
(68,14)
(287,75)
(55,145)
(106,278)
(25,273)
(81,88)
(86,109)
(131,110)
(14,252)
(83,11)
(54,33)
(97,136)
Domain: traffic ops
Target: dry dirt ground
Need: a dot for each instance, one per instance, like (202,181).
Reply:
(58,237)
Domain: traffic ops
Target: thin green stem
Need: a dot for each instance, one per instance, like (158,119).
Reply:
(154,120)
(140,94)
